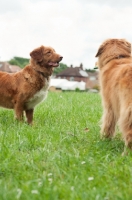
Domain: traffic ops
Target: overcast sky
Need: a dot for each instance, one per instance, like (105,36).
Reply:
(74,28)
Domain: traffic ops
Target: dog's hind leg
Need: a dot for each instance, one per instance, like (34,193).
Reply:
(125,124)
(29,115)
(108,123)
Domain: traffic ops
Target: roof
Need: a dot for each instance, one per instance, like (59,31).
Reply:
(14,68)
(6,67)
(74,72)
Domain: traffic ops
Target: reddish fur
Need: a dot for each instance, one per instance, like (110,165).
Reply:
(116,88)
(17,89)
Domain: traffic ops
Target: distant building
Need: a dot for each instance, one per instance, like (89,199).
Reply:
(93,80)
(73,74)
(80,75)
(6,67)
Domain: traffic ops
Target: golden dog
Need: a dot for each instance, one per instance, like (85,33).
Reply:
(23,90)
(115,65)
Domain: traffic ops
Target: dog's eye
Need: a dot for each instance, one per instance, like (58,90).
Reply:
(48,53)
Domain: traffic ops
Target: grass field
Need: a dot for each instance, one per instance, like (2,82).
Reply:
(62,156)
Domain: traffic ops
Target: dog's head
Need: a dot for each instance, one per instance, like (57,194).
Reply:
(113,49)
(45,58)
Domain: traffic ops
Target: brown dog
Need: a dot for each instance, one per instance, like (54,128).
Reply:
(115,65)
(23,90)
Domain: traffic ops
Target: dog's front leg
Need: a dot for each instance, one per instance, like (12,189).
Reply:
(29,116)
(19,111)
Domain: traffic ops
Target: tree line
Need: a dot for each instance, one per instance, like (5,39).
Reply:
(22,62)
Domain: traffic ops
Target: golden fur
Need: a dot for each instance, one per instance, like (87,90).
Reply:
(115,65)
(23,90)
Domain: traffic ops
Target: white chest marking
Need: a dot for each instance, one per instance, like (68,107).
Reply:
(39,96)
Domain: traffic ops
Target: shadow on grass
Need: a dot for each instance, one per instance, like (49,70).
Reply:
(113,146)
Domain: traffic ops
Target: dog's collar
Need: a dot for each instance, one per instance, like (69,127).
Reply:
(121,56)
(117,57)
(42,74)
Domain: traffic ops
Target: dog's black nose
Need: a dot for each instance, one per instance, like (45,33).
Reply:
(61,58)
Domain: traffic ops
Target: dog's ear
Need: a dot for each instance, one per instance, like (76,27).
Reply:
(128,46)
(100,51)
(37,54)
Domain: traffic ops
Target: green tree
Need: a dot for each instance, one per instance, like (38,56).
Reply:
(21,62)
(90,70)
(60,68)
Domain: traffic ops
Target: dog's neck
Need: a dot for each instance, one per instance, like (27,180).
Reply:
(47,77)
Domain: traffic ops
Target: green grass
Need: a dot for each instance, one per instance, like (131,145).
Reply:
(62,156)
